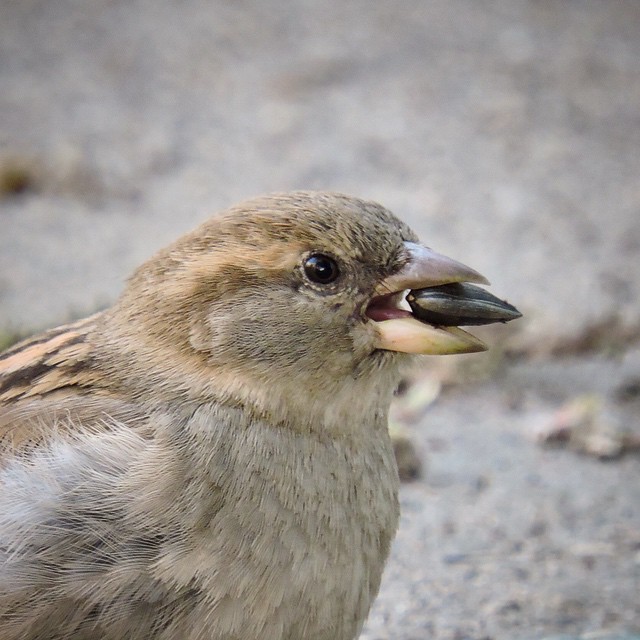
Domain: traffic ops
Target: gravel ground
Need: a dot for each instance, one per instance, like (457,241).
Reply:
(506,132)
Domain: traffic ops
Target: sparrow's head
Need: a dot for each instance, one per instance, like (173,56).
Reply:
(294,293)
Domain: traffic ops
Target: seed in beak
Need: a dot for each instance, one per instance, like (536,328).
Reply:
(459,304)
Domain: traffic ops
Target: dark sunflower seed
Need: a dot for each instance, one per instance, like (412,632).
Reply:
(458,304)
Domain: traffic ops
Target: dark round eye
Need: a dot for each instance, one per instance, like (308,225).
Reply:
(321,269)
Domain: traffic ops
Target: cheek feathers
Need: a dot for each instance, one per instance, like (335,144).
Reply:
(271,329)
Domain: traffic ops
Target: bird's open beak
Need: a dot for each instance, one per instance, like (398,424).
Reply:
(398,329)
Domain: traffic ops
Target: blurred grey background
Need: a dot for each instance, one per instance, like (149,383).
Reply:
(507,133)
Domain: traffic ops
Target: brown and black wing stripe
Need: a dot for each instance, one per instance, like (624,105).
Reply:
(57,359)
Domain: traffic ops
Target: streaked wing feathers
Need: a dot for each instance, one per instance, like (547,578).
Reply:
(47,386)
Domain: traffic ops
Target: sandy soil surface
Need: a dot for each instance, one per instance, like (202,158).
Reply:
(506,132)
(505,538)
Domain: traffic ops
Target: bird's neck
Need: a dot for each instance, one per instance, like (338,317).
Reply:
(330,405)
(344,409)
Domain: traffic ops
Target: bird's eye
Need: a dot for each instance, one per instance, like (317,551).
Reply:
(321,269)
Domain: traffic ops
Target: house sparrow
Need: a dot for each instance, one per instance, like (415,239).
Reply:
(209,457)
